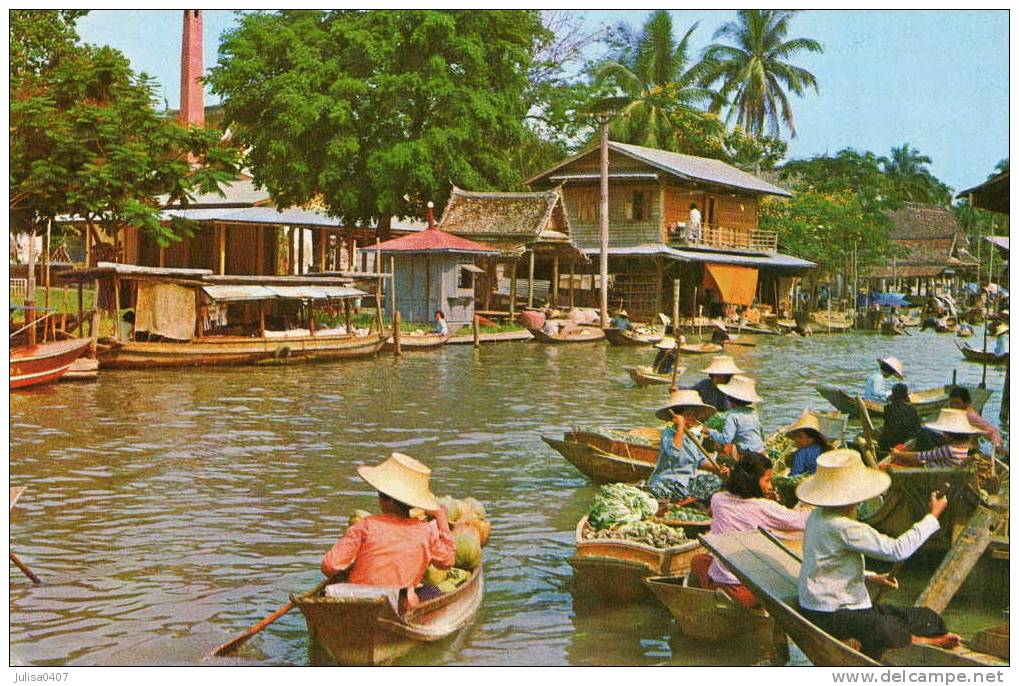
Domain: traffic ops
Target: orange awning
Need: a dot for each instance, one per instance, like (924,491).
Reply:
(738,285)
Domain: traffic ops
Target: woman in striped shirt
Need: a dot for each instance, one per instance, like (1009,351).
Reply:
(959,435)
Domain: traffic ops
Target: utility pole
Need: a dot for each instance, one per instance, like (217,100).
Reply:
(603,220)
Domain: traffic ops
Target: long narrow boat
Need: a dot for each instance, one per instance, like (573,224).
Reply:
(830,323)
(630,338)
(364,628)
(700,348)
(500,337)
(928,402)
(583,334)
(600,466)
(617,568)
(771,574)
(709,615)
(32,365)
(982,356)
(645,376)
(238,350)
(428,341)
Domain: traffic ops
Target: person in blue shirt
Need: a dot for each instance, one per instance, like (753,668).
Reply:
(682,473)
(877,388)
(621,321)
(440,327)
(665,357)
(720,371)
(742,432)
(810,443)
(1001,342)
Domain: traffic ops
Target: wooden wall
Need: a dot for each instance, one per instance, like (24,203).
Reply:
(624,229)
(426,284)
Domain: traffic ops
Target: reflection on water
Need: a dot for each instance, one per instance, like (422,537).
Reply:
(167,512)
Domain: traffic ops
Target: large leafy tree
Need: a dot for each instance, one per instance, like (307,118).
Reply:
(375,113)
(86,138)
(911,180)
(754,71)
(655,90)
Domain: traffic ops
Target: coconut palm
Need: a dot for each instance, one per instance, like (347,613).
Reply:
(754,72)
(656,88)
(906,169)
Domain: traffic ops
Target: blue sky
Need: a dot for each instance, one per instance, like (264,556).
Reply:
(935,79)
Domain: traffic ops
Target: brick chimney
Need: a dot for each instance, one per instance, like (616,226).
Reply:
(192,97)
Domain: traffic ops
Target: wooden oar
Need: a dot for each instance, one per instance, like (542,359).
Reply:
(24,568)
(777,541)
(700,446)
(891,575)
(235,643)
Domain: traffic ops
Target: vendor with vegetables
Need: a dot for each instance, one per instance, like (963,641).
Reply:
(810,443)
(720,371)
(676,476)
(394,549)
(742,432)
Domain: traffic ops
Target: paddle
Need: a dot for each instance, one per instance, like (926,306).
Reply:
(700,447)
(24,568)
(235,643)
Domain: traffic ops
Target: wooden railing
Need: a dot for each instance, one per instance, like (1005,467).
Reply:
(725,237)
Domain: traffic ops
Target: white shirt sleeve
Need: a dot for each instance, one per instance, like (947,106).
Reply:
(865,539)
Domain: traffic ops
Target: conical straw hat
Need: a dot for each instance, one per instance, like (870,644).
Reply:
(682,400)
(742,388)
(893,363)
(722,364)
(667,343)
(402,478)
(842,479)
(807,421)
(1002,328)
(953,422)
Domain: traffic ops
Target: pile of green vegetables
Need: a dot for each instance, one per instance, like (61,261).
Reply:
(716,422)
(620,504)
(627,437)
(686,514)
(652,533)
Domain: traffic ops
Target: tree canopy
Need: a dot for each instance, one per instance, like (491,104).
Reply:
(375,113)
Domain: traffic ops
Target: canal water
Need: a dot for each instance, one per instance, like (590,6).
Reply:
(168,512)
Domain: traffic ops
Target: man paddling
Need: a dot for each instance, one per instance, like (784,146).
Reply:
(394,549)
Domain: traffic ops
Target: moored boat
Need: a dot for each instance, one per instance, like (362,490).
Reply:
(601,466)
(82,369)
(630,338)
(928,402)
(709,615)
(33,365)
(700,348)
(646,376)
(582,334)
(428,341)
(616,568)
(982,356)
(362,625)
(831,323)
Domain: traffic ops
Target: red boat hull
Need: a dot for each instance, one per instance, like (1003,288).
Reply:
(32,365)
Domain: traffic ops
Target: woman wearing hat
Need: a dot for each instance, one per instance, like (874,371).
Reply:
(394,549)
(720,371)
(621,320)
(810,443)
(959,435)
(877,389)
(1001,342)
(665,357)
(676,476)
(833,581)
(742,427)
(902,421)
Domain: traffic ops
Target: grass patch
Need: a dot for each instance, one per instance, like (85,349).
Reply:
(57,301)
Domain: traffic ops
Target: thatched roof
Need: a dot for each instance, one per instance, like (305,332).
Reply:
(506,215)
(932,239)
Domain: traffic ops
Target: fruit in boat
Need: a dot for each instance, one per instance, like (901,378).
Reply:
(452,506)
(468,547)
(475,506)
(435,576)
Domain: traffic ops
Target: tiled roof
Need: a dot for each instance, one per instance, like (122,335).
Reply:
(433,241)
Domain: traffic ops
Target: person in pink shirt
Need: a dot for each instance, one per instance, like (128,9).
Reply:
(959,399)
(393,549)
(746,503)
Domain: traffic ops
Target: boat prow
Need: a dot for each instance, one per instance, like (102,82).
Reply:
(645,376)
(33,365)
(583,334)
(630,338)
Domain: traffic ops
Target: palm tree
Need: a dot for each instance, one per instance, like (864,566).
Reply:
(754,73)
(657,89)
(911,180)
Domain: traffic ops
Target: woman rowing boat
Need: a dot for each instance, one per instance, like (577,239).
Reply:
(676,476)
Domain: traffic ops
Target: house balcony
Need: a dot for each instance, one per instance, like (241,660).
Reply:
(715,237)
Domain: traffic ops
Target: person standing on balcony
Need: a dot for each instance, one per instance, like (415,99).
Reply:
(693,227)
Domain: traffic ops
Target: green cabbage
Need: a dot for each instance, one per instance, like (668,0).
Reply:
(620,504)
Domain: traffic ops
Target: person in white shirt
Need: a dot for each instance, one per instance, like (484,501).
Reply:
(440,328)
(694,224)
(833,582)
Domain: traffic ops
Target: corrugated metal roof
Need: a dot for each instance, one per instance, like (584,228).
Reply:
(237,193)
(777,260)
(256,215)
(1000,241)
(238,293)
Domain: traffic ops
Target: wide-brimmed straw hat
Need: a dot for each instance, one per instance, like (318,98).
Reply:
(807,422)
(666,343)
(842,479)
(621,313)
(953,422)
(723,365)
(893,364)
(741,388)
(683,400)
(1002,328)
(402,478)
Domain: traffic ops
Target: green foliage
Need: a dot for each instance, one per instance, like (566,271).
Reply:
(753,153)
(911,181)
(753,71)
(86,139)
(375,113)
(1000,168)
(38,38)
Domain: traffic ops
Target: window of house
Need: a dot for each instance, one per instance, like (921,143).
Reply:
(587,204)
(466,279)
(638,209)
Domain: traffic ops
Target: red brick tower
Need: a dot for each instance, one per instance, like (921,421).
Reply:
(192,97)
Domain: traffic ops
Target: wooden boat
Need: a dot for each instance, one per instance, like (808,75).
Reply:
(501,337)
(583,334)
(617,568)
(239,350)
(631,338)
(927,402)
(700,348)
(428,341)
(644,376)
(892,329)
(366,629)
(709,615)
(771,574)
(833,324)
(600,466)
(982,356)
(33,365)
(82,369)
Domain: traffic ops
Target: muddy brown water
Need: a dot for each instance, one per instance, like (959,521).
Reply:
(167,512)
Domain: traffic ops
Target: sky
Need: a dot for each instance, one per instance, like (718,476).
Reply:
(936,79)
